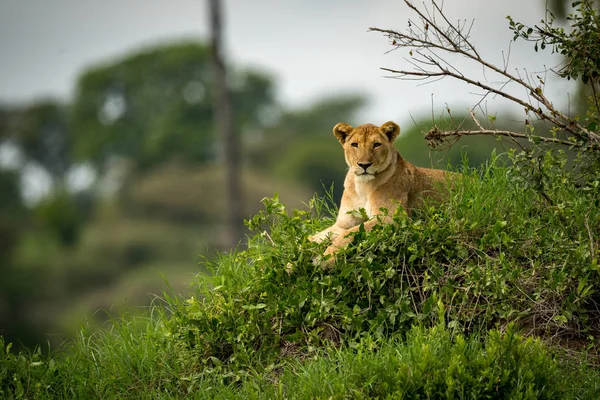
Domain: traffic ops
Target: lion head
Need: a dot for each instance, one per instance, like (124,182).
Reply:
(369,149)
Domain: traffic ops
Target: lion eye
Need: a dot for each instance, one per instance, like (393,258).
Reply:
(376,145)
(354,144)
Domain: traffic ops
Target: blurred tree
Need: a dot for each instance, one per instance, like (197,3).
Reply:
(317,163)
(39,132)
(319,118)
(225,121)
(563,10)
(42,134)
(5,122)
(60,214)
(300,145)
(155,105)
(12,213)
(12,222)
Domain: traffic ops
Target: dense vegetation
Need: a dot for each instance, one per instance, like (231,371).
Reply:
(429,306)
(495,293)
(75,252)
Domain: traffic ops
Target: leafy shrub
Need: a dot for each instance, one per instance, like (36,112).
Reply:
(22,375)
(436,363)
(496,252)
(414,308)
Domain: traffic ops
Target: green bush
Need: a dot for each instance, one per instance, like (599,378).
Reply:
(435,364)
(497,252)
(425,307)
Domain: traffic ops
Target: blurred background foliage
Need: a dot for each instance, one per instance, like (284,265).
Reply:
(105,196)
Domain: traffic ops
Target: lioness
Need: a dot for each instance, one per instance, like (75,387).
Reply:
(378,177)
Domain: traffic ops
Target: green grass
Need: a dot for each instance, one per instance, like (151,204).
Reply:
(434,363)
(445,304)
(135,360)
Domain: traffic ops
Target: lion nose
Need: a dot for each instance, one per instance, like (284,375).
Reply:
(365,165)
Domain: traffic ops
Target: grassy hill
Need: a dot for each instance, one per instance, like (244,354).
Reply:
(493,294)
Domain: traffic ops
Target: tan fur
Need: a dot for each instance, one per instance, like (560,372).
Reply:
(378,177)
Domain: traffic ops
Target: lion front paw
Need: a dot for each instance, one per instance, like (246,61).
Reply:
(338,243)
(321,236)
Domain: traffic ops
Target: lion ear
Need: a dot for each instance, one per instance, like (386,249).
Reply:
(391,130)
(341,131)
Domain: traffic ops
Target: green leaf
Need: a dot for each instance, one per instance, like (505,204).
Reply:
(216,361)
(560,319)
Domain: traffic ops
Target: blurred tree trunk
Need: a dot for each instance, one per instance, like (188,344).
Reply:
(224,118)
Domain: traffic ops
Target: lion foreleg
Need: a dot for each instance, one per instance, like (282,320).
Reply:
(330,233)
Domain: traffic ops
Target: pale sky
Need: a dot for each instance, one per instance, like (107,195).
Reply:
(312,47)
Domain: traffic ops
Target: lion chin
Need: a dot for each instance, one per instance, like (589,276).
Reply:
(364,177)
(378,177)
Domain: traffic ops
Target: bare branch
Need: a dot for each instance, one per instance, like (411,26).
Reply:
(427,43)
(435,135)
